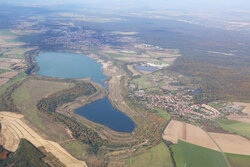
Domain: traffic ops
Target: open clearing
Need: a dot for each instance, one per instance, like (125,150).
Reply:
(142,82)
(76,148)
(190,155)
(229,143)
(13,129)
(156,156)
(164,114)
(27,96)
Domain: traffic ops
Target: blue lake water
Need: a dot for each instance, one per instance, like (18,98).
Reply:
(104,113)
(146,68)
(70,65)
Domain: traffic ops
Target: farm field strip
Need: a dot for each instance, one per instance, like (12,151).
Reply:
(190,155)
(156,156)
(177,130)
(20,130)
(229,143)
(238,127)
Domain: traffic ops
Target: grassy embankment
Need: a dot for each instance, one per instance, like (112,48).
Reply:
(14,80)
(156,156)
(76,148)
(27,96)
(237,127)
(37,99)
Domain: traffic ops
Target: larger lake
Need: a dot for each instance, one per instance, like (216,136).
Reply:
(71,65)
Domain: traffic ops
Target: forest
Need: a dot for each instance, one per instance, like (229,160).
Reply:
(220,77)
(26,155)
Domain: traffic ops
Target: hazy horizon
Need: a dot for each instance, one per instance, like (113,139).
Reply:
(156,4)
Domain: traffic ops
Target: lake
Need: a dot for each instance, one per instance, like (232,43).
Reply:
(102,111)
(71,65)
(146,68)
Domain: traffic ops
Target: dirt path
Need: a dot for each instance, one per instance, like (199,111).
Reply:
(13,129)
(222,152)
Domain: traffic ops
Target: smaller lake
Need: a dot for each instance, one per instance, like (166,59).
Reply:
(104,113)
(146,68)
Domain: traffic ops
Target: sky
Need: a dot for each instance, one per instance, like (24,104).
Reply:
(161,4)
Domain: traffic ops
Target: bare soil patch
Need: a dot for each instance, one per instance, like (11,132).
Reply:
(177,130)
(230,143)
(13,129)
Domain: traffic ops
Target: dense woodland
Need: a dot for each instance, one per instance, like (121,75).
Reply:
(26,155)
(221,77)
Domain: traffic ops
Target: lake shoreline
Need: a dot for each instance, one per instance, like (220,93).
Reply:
(81,102)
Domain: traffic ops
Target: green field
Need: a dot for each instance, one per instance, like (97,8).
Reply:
(27,96)
(113,55)
(163,114)
(157,156)
(216,104)
(76,148)
(17,78)
(189,155)
(142,82)
(237,160)
(3,70)
(237,127)
(13,52)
